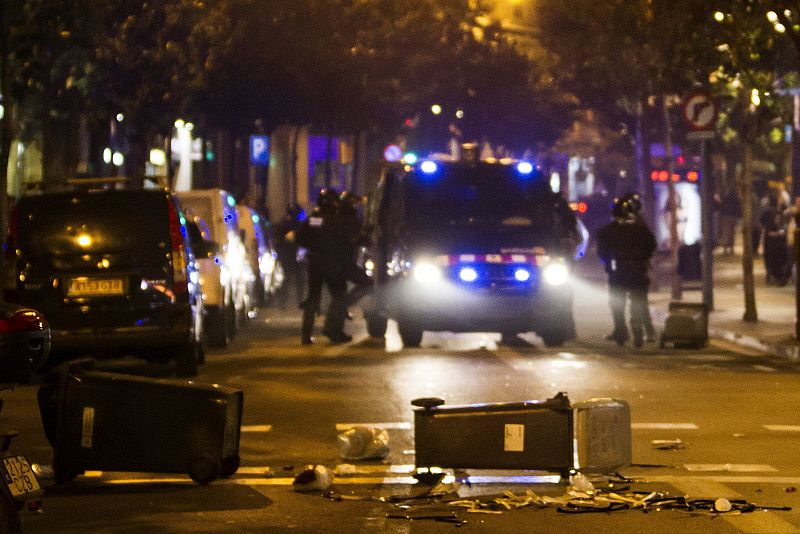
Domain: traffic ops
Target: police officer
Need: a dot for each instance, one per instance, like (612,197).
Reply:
(625,246)
(351,227)
(286,246)
(321,236)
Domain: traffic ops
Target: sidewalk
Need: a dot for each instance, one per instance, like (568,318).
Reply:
(774,331)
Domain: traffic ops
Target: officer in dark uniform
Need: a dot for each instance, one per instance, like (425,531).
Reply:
(351,226)
(625,246)
(285,233)
(321,235)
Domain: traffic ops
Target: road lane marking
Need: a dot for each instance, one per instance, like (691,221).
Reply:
(664,426)
(256,428)
(401,425)
(265,470)
(765,369)
(783,428)
(352,469)
(733,468)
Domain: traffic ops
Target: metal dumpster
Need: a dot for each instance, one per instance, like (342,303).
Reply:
(113,422)
(518,435)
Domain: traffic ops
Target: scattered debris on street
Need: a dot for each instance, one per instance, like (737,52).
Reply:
(363,443)
(313,478)
(667,444)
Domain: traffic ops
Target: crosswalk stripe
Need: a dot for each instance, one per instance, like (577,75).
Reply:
(402,425)
(664,426)
(709,488)
(765,369)
(783,428)
(733,468)
(256,428)
(352,469)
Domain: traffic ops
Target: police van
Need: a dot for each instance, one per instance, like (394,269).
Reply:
(467,246)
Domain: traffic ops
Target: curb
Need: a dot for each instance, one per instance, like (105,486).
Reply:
(786,351)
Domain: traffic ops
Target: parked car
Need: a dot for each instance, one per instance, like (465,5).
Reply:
(112,272)
(261,255)
(24,343)
(24,346)
(217,208)
(216,285)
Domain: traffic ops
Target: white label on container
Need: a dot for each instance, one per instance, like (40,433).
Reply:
(87,431)
(514,438)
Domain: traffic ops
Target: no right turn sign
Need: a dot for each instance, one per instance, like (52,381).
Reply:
(699,111)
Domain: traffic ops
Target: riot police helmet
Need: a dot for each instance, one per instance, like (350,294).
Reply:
(635,202)
(623,209)
(328,198)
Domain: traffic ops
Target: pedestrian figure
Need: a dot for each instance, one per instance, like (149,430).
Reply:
(288,255)
(321,236)
(730,212)
(625,246)
(776,252)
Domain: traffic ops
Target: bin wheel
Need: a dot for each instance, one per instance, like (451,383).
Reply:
(229,466)
(204,469)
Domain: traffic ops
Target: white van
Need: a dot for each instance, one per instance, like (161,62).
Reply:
(216,286)
(267,274)
(217,208)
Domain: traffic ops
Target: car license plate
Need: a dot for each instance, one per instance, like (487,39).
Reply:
(95,287)
(19,478)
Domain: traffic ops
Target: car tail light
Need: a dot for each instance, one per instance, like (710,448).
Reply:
(25,320)
(178,248)
(10,252)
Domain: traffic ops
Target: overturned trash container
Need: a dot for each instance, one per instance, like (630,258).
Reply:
(592,436)
(534,435)
(686,325)
(106,421)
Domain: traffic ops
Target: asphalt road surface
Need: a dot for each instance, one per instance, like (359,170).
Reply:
(734,413)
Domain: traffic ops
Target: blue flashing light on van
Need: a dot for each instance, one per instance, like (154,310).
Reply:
(524,167)
(428,167)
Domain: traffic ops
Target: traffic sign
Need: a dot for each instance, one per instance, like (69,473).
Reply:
(259,149)
(699,111)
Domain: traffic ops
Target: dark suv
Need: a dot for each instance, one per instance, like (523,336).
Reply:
(470,246)
(111,270)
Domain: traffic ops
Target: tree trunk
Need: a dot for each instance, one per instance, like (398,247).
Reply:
(672,203)
(643,164)
(745,183)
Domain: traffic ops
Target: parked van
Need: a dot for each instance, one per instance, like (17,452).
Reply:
(111,270)
(216,285)
(217,208)
(261,255)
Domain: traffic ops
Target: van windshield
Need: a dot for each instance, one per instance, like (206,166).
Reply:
(490,197)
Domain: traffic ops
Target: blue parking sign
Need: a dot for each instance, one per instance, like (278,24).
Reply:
(259,149)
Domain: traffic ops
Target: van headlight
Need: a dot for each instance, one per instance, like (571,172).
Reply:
(426,272)
(556,273)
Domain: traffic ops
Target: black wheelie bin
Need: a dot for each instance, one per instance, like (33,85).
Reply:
(113,422)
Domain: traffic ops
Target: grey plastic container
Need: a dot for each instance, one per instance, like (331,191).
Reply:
(602,435)
(113,422)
